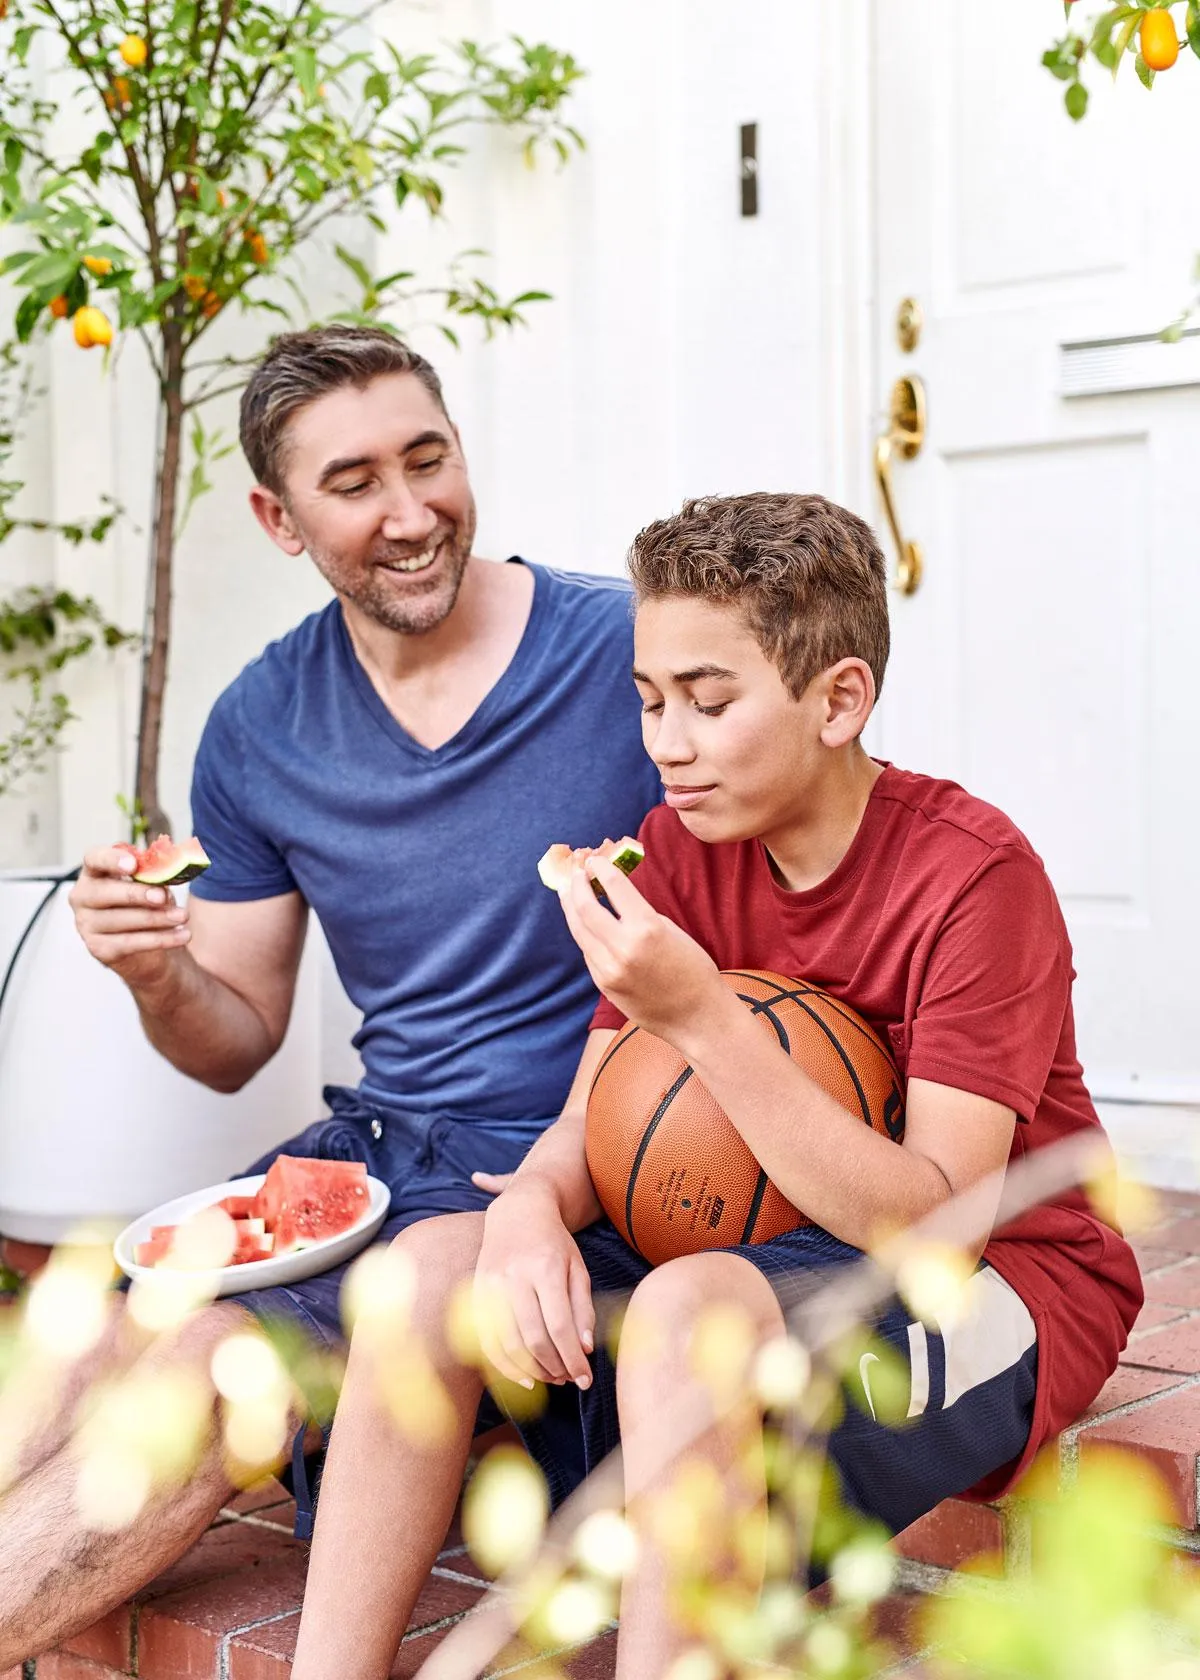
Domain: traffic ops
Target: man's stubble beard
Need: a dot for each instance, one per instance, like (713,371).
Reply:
(421,609)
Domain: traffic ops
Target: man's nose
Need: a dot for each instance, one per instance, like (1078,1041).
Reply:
(408,518)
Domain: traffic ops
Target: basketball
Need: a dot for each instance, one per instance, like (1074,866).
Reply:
(671,1171)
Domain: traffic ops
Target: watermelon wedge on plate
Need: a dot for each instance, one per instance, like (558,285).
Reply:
(317,1252)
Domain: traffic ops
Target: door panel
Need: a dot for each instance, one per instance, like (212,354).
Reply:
(1046,662)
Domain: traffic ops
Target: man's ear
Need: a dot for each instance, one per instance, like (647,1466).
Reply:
(276,521)
(849,701)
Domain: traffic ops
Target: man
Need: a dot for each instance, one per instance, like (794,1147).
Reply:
(760,645)
(397,763)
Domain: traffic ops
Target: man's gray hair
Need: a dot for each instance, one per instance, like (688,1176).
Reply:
(302,366)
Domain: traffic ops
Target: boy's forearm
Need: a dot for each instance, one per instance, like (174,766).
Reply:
(848,1178)
(201,1026)
(556,1166)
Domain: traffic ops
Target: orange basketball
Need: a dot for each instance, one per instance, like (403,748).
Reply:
(671,1171)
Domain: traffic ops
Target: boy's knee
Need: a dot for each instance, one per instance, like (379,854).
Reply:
(717,1297)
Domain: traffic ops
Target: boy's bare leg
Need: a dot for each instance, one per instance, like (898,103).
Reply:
(57,1576)
(386,1501)
(658,1358)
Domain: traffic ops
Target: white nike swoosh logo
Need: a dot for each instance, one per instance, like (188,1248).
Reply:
(864,1365)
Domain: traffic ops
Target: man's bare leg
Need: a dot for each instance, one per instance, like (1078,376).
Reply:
(57,1576)
(656,1359)
(40,1403)
(386,1501)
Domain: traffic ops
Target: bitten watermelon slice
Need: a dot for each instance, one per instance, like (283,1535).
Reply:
(164,864)
(558,863)
(305,1202)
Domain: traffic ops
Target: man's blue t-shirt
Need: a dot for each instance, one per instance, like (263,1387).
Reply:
(422,865)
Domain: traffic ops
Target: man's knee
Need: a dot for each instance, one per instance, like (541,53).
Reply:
(442,1252)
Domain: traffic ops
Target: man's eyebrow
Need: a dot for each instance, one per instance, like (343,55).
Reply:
(349,463)
(693,674)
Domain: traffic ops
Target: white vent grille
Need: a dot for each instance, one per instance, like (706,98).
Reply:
(1143,362)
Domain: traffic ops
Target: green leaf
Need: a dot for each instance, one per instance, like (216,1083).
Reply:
(29,313)
(1076,98)
(1144,73)
(51,269)
(356,266)
(1124,35)
(304,63)
(1193,26)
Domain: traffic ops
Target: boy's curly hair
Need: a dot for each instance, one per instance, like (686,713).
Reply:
(809,576)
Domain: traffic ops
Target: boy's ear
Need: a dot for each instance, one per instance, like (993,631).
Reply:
(849,688)
(272,514)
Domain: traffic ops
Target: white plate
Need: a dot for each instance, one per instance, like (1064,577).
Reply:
(252,1274)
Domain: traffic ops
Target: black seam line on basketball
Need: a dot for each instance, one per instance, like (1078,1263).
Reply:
(759,1006)
(840,1009)
(760,1190)
(807,990)
(618,1044)
(662,1108)
(845,1060)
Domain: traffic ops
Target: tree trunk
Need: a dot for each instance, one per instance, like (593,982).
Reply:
(162,554)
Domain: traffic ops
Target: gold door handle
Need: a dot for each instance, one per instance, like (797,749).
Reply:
(904,437)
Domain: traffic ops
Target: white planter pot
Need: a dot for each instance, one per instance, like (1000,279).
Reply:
(94,1124)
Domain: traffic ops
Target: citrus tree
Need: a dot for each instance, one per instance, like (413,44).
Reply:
(1156,33)
(1150,30)
(210,142)
(42,629)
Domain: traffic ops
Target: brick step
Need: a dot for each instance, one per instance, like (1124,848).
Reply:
(231,1607)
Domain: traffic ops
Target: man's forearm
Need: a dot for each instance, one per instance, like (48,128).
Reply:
(201,1025)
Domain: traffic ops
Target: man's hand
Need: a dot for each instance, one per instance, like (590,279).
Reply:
(493,1183)
(130,928)
(650,969)
(532,1293)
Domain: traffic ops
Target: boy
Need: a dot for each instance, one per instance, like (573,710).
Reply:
(760,646)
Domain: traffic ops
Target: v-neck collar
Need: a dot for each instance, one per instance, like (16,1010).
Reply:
(481,717)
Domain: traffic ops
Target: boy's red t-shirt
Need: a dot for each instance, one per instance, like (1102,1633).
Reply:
(941,928)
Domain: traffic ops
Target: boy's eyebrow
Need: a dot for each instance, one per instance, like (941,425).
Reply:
(348,463)
(693,674)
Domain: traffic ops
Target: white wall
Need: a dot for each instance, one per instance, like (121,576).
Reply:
(686,350)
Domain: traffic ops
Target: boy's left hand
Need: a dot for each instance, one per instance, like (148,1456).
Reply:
(650,969)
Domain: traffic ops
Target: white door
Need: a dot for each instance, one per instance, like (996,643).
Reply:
(1050,660)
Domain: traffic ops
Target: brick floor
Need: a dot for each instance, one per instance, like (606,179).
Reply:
(230,1609)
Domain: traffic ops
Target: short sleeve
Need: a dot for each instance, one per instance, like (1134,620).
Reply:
(996,987)
(246,864)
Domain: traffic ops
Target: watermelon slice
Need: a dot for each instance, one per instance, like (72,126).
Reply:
(239,1207)
(305,1202)
(558,864)
(164,864)
(156,1248)
(300,1202)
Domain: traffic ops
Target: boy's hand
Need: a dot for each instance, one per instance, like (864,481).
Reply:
(533,1296)
(650,969)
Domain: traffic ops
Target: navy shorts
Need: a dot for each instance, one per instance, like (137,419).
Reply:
(428,1165)
(970,1386)
(964,1410)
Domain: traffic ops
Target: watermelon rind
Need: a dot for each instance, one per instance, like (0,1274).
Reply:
(175,867)
(557,863)
(628,855)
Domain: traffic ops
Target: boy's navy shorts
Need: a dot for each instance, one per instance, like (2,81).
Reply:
(967,1389)
(970,1385)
